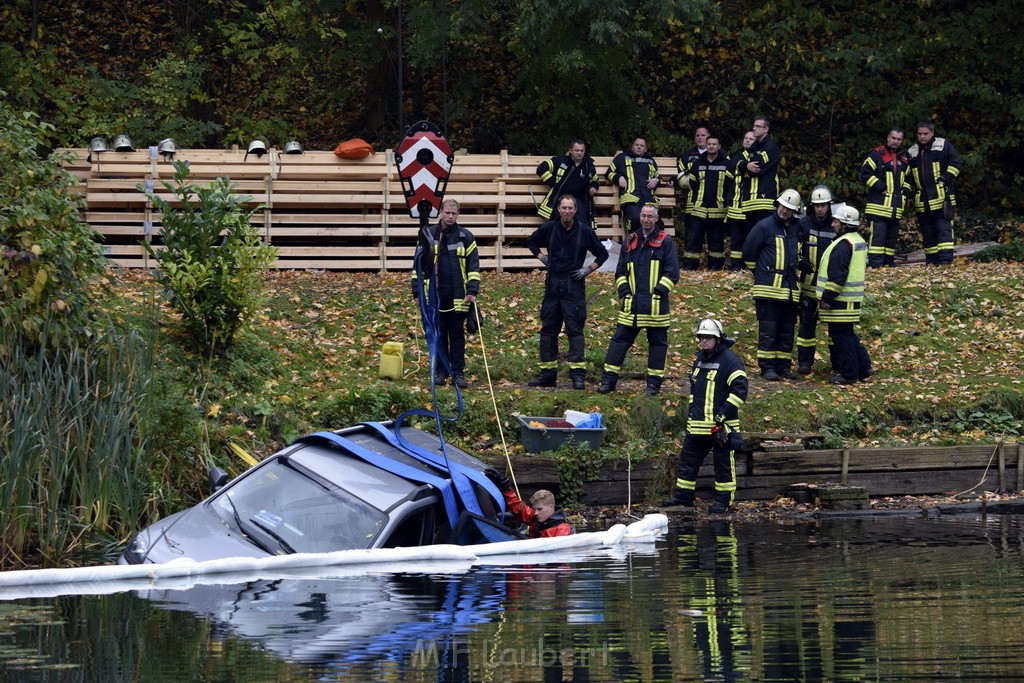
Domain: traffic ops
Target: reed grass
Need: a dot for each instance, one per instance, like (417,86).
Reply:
(75,463)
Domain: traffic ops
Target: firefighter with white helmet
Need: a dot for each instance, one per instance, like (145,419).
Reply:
(718,387)
(816,234)
(840,289)
(771,252)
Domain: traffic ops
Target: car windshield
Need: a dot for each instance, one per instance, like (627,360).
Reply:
(284,511)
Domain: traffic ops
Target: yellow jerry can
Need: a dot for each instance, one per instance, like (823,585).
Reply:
(391,360)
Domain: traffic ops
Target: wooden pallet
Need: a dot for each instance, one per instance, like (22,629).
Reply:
(330,213)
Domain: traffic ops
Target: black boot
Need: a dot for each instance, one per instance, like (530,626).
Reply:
(546,378)
(683,497)
(721,505)
(608,382)
(578,380)
(653,386)
(459,380)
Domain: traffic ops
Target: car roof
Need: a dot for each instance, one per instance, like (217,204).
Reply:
(376,486)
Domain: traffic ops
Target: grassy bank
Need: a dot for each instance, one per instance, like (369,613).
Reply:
(947,345)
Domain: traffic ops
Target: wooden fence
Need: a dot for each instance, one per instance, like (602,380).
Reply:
(324,212)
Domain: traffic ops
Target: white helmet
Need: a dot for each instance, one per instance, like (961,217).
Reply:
(846,214)
(709,327)
(790,199)
(98,145)
(167,148)
(292,147)
(821,195)
(123,143)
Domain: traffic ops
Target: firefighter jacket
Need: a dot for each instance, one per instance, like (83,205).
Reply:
(885,173)
(449,258)
(683,162)
(710,183)
(771,252)
(647,272)
(739,188)
(637,170)
(555,525)
(763,187)
(718,387)
(562,176)
(841,279)
(567,249)
(932,172)
(815,236)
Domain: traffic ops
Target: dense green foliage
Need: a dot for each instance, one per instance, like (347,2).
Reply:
(212,260)
(527,76)
(48,254)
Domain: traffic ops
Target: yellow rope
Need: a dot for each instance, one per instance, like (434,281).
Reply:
(494,402)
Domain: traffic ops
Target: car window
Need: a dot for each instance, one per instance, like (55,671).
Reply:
(290,512)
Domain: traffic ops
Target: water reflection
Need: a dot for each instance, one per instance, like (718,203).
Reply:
(842,600)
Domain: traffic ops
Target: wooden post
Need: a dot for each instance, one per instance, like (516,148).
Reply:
(1020,466)
(845,468)
(1002,468)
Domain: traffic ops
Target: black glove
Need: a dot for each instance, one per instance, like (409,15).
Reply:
(543,259)
(498,479)
(720,433)
(582,273)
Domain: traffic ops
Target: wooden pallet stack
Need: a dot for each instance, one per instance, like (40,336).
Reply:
(329,213)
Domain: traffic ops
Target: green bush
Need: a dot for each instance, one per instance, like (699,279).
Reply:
(1011,251)
(213,262)
(48,256)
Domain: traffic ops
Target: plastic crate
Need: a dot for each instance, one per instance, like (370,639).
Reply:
(540,439)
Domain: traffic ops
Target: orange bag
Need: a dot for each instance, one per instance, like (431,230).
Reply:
(356,148)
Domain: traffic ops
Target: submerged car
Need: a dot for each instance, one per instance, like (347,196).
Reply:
(369,486)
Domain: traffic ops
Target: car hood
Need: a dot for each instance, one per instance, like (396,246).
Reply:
(198,534)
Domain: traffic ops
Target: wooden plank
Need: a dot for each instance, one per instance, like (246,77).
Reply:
(875,460)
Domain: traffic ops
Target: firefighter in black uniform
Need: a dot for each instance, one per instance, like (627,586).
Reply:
(449,260)
(709,179)
(816,234)
(718,387)
(934,165)
(885,173)
(647,272)
(635,173)
(760,168)
(735,219)
(771,253)
(572,173)
(567,242)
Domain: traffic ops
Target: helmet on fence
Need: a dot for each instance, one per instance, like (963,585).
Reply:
(257,147)
(847,215)
(123,143)
(821,195)
(709,327)
(789,199)
(98,145)
(292,147)
(167,148)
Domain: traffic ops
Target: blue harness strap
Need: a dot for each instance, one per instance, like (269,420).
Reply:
(389,465)
(462,476)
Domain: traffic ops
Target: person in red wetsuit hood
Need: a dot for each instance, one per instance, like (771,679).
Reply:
(543,517)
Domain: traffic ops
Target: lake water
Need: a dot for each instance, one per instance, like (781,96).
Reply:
(880,599)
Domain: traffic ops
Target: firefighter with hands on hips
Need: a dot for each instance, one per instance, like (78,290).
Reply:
(567,241)
(647,272)
(718,387)
(841,291)
(771,253)
(450,262)
(710,180)
(885,174)
(571,173)
(635,173)
(816,234)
